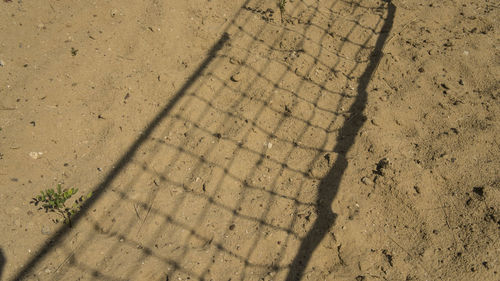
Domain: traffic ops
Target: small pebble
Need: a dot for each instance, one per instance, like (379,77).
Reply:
(2,63)
(45,230)
(366,181)
(233,60)
(236,77)
(35,155)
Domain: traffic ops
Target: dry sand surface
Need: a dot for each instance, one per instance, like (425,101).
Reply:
(232,140)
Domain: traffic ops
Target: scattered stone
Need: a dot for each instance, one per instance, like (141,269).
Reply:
(231,227)
(46,230)
(234,60)
(327,158)
(375,122)
(381,165)
(2,63)
(417,189)
(388,257)
(479,190)
(35,155)
(236,77)
(445,86)
(288,111)
(448,44)
(367,180)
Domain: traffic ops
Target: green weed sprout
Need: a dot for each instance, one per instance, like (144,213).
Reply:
(282,4)
(55,201)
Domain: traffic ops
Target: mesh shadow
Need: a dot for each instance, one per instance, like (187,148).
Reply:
(235,176)
(329,185)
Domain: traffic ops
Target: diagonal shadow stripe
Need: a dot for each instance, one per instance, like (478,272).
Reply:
(124,160)
(329,186)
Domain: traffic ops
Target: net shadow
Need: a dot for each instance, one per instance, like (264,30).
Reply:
(2,262)
(235,177)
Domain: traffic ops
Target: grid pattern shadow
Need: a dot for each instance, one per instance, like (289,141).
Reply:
(227,183)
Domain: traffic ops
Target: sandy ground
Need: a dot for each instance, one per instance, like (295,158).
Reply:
(225,140)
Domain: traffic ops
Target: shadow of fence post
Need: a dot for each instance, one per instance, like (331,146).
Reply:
(3,260)
(328,188)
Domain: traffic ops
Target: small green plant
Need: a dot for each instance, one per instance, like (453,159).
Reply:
(282,4)
(55,201)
